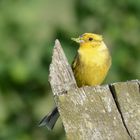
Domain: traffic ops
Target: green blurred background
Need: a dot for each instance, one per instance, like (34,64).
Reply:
(28,29)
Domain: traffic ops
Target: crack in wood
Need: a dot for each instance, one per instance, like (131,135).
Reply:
(113,92)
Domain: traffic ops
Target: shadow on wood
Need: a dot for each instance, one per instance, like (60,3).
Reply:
(94,113)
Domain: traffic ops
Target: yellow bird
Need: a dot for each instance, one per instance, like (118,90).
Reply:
(93,60)
(90,67)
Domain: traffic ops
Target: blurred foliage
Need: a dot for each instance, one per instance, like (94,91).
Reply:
(28,29)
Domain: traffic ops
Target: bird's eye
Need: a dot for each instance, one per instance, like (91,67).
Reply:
(90,39)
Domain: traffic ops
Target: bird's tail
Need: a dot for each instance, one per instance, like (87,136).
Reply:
(50,119)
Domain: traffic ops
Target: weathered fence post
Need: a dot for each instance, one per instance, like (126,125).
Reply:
(109,112)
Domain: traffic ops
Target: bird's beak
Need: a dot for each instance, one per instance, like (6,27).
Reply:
(78,40)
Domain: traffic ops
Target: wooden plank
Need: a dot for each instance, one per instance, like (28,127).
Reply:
(127,96)
(90,113)
(61,76)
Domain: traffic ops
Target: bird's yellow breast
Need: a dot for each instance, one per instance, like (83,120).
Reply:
(91,65)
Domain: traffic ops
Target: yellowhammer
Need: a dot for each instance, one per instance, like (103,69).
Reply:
(90,67)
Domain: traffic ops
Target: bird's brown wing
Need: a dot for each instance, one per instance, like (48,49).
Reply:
(75,61)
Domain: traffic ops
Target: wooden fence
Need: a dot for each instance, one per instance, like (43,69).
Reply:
(108,112)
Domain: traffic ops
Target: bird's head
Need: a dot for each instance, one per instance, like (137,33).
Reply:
(89,39)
